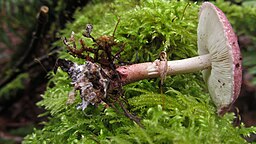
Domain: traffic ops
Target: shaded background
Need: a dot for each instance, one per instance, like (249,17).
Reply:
(27,32)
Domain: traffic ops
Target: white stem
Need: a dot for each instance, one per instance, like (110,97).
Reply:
(154,69)
(189,65)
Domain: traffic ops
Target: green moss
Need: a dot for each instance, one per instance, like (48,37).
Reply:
(183,114)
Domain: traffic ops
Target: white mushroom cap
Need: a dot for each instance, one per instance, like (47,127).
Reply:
(216,37)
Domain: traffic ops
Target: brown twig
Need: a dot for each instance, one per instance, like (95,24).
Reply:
(19,67)
(42,19)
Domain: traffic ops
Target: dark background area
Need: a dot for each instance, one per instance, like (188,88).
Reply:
(27,32)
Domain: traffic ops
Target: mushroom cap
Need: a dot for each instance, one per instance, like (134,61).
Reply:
(217,38)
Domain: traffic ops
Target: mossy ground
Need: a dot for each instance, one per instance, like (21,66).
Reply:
(183,114)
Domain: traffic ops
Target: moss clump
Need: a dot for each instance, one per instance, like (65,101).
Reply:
(183,114)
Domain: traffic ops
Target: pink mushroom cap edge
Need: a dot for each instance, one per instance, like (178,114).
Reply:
(237,58)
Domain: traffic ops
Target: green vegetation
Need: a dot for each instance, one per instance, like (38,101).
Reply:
(183,114)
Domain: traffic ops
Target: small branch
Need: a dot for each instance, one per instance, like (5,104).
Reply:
(42,19)
(19,67)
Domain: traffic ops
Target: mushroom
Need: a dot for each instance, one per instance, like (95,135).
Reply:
(219,59)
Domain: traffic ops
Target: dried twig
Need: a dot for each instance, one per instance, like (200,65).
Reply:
(19,67)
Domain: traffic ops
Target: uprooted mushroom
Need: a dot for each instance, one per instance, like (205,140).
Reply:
(219,59)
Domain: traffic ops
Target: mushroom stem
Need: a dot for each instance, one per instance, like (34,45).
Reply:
(135,72)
